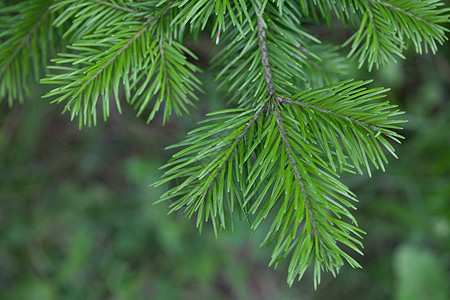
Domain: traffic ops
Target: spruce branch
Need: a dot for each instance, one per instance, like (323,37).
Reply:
(285,239)
(210,166)
(110,60)
(388,26)
(133,53)
(369,121)
(282,130)
(407,13)
(282,162)
(27,42)
(423,16)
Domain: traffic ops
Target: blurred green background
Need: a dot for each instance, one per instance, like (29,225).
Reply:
(77,219)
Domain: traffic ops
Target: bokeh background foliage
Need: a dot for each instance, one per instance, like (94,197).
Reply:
(77,219)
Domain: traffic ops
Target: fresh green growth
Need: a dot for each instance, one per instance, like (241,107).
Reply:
(295,125)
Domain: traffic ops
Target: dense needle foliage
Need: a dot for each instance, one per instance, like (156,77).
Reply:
(295,121)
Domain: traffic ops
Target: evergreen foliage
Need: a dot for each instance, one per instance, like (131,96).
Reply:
(28,41)
(294,127)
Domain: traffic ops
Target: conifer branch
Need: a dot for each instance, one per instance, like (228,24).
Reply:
(387,27)
(25,40)
(271,92)
(236,144)
(137,55)
(310,231)
(110,61)
(409,14)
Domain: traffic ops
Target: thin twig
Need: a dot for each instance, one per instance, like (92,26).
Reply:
(282,130)
(289,151)
(264,56)
(238,140)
